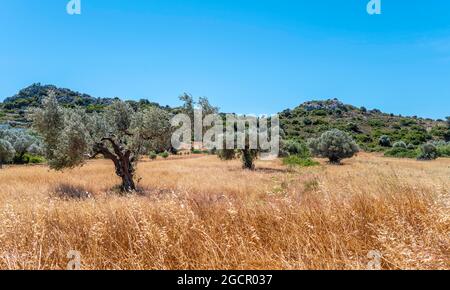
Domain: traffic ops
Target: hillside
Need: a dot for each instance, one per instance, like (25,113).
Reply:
(366,126)
(308,120)
(14,109)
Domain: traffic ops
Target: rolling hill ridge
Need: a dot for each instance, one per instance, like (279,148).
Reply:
(309,119)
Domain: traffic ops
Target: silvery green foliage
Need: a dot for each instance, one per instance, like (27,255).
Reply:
(120,134)
(385,141)
(7,151)
(49,123)
(151,130)
(23,141)
(428,152)
(71,135)
(334,145)
(74,141)
(400,144)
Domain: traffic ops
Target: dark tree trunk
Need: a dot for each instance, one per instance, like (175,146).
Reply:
(247,159)
(125,170)
(123,162)
(335,160)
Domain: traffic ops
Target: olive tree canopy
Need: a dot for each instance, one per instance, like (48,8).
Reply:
(6,152)
(23,141)
(72,136)
(334,145)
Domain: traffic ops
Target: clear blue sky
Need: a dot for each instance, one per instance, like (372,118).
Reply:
(247,56)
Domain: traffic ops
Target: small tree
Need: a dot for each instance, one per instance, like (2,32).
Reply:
(165,155)
(120,134)
(247,141)
(248,158)
(385,141)
(7,152)
(447,134)
(153,155)
(428,152)
(293,147)
(334,145)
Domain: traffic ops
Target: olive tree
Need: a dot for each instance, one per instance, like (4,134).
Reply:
(447,134)
(7,152)
(248,138)
(334,145)
(428,151)
(384,141)
(23,141)
(120,134)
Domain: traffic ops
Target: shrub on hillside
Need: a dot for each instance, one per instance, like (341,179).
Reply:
(428,152)
(411,147)
(292,147)
(443,148)
(165,155)
(334,145)
(400,144)
(444,151)
(384,141)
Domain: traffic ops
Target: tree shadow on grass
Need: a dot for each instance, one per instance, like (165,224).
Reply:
(272,170)
(71,192)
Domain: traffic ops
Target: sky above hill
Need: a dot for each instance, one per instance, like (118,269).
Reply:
(247,56)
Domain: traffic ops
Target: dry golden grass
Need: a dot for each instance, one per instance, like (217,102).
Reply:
(203,213)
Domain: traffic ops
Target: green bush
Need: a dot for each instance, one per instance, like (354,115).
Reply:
(411,147)
(297,148)
(428,152)
(444,151)
(319,112)
(417,137)
(399,152)
(153,155)
(295,160)
(197,151)
(165,155)
(400,144)
(384,141)
(34,159)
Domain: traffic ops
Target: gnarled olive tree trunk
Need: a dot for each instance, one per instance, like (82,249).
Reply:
(123,160)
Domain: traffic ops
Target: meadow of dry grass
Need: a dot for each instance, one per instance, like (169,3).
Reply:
(203,213)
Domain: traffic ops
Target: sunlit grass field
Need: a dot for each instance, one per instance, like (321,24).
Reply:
(203,213)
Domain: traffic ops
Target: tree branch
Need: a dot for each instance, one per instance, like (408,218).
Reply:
(116,147)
